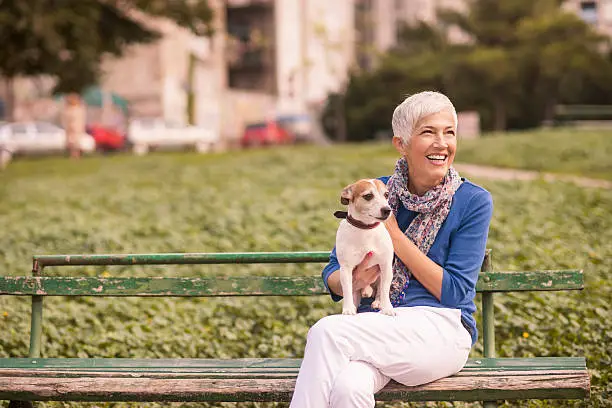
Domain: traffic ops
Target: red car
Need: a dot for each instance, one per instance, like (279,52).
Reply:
(265,133)
(106,138)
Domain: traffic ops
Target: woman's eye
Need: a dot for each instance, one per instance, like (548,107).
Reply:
(368,197)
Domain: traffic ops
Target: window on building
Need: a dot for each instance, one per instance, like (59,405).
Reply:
(588,11)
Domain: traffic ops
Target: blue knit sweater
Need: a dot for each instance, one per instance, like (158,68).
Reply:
(459,249)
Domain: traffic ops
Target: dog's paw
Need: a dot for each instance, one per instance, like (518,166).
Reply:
(348,310)
(376,304)
(388,310)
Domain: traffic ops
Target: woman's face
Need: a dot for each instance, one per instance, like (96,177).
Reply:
(430,150)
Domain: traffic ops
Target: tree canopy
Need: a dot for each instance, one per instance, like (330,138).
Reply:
(516,61)
(68,38)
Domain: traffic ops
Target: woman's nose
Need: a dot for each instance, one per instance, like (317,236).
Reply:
(440,142)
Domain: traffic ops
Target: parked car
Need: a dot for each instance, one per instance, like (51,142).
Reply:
(26,138)
(301,126)
(145,134)
(265,133)
(106,138)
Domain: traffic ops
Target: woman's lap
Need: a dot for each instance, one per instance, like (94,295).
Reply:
(349,358)
(417,346)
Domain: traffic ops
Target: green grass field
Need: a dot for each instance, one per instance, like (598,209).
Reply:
(585,153)
(273,200)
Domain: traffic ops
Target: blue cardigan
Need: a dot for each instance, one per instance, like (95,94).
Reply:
(459,249)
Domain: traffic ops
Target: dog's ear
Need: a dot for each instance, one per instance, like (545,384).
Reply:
(347,195)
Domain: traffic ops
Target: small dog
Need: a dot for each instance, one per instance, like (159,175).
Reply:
(361,232)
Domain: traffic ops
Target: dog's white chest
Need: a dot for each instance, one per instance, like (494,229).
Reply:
(353,243)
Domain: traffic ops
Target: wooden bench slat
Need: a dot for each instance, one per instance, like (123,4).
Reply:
(252,285)
(220,365)
(112,386)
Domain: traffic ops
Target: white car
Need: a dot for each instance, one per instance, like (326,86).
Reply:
(37,138)
(148,133)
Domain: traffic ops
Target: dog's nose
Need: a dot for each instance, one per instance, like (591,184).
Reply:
(385,212)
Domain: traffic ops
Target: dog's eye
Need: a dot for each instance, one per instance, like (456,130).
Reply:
(368,196)
(386,195)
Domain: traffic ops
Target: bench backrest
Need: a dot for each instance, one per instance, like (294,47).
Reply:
(38,286)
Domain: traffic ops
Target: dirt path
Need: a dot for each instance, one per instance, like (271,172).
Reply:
(498,173)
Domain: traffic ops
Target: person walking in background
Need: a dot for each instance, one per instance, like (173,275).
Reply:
(73,119)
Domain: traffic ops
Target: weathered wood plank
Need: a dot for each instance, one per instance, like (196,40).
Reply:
(185,364)
(235,373)
(468,388)
(252,285)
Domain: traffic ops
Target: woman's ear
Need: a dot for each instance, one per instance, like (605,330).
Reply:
(399,145)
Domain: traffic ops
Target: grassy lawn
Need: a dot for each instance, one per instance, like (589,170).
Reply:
(572,151)
(274,200)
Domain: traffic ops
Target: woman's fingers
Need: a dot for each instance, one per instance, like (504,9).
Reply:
(363,275)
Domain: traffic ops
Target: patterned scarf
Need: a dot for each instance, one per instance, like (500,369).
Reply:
(433,208)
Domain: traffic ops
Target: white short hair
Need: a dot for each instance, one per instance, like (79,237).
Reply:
(415,107)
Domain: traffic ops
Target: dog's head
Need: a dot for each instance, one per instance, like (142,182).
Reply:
(367,200)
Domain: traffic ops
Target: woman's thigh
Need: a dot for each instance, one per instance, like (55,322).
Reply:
(419,345)
(430,343)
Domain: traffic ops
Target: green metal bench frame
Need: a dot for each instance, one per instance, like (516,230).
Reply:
(72,379)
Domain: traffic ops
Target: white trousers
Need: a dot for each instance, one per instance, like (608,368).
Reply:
(350,358)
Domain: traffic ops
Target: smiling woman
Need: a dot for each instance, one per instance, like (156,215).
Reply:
(439,227)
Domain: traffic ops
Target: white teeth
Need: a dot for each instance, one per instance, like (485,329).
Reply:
(436,157)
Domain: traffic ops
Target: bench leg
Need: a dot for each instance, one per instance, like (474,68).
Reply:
(21,404)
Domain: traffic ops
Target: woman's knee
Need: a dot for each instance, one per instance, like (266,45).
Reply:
(350,390)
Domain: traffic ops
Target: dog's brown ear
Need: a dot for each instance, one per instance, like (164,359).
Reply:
(347,195)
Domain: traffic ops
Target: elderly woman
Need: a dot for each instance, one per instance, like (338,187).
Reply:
(439,232)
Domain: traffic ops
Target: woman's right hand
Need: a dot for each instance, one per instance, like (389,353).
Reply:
(364,276)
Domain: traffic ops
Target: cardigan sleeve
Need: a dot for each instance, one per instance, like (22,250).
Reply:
(466,252)
(330,268)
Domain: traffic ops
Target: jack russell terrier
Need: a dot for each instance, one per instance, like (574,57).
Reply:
(362,232)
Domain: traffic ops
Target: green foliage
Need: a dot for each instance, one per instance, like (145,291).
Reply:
(68,39)
(515,61)
(272,200)
(568,151)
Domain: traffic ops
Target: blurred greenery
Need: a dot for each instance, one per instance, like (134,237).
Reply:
(511,61)
(564,150)
(273,200)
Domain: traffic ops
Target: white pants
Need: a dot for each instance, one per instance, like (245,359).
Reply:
(350,358)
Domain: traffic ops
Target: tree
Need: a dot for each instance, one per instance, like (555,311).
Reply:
(68,38)
(519,59)
(562,52)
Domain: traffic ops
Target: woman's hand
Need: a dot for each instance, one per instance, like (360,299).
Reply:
(392,227)
(364,276)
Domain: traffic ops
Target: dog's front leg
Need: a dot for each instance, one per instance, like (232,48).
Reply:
(357,298)
(346,280)
(382,294)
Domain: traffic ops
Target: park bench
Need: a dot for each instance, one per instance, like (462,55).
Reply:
(584,116)
(487,379)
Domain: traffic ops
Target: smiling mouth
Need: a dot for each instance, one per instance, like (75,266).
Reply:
(437,158)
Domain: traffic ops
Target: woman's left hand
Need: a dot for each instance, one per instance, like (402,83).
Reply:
(391,225)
